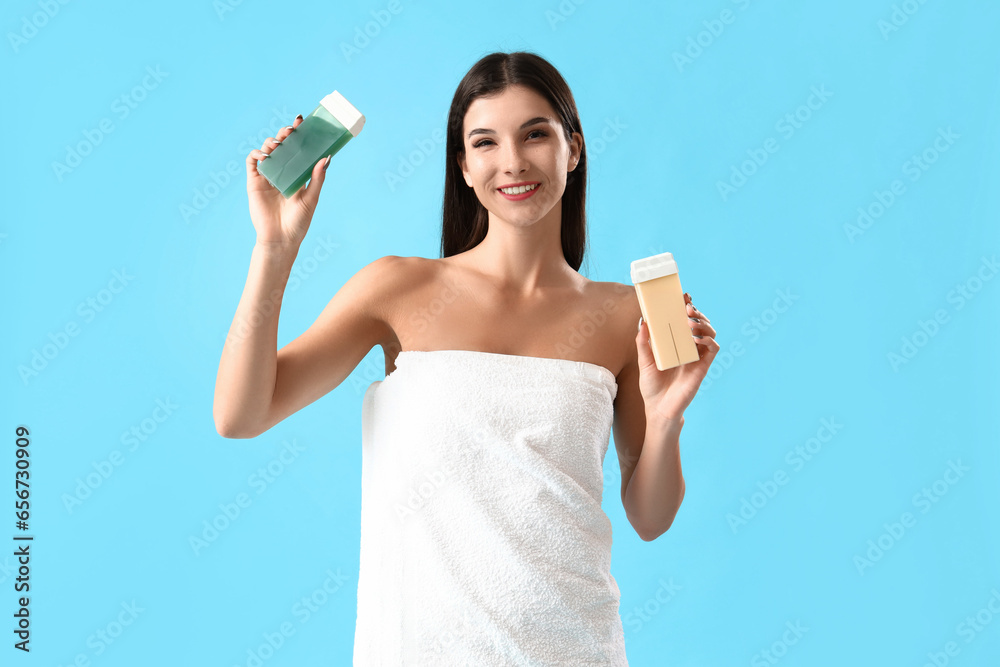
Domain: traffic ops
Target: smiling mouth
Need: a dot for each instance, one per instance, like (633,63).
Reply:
(519,189)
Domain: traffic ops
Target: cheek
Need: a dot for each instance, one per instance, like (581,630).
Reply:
(477,167)
(559,173)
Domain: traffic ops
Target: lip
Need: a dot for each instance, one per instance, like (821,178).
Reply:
(523,195)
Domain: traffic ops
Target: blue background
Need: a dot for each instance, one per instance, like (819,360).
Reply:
(662,133)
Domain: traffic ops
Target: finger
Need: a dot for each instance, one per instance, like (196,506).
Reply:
(694,312)
(709,343)
(309,194)
(269,145)
(701,327)
(253,176)
(286,130)
(283,133)
(643,348)
(707,348)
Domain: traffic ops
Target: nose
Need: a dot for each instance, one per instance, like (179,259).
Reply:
(513,160)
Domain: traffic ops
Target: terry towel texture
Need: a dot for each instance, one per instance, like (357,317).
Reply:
(483,541)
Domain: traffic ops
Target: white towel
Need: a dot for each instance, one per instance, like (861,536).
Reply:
(483,540)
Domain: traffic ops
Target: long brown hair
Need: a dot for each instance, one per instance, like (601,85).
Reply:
(465,219)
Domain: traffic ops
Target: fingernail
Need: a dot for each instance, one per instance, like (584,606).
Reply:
(299,116)
(640,323)
(329,157)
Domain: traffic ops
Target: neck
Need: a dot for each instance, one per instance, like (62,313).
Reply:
(524,259)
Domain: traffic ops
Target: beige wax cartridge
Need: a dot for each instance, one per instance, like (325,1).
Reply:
(662,303)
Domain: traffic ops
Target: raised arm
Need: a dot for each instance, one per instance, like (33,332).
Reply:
(257,386)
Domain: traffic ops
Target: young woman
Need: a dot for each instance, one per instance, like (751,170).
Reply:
(483,538)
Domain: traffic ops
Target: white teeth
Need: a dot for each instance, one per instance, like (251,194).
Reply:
(521,189)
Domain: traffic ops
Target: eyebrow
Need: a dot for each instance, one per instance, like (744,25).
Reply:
(534,121)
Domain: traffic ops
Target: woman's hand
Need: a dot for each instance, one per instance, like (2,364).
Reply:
(281,221)
(669,392)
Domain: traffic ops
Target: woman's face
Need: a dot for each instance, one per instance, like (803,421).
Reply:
(505,144)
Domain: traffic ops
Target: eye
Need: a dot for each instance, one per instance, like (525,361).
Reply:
(483,142)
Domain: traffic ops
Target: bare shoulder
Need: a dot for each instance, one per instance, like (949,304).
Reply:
(620,305)
(618,301)
(389,283)
(393,270)
(618,297)
(392,274)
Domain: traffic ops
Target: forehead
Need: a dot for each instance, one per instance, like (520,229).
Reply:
(507,109)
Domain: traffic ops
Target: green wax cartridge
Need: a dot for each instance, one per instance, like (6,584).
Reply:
(323,132)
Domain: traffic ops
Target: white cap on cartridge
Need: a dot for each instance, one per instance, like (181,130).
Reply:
(656,266)
(344,112)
